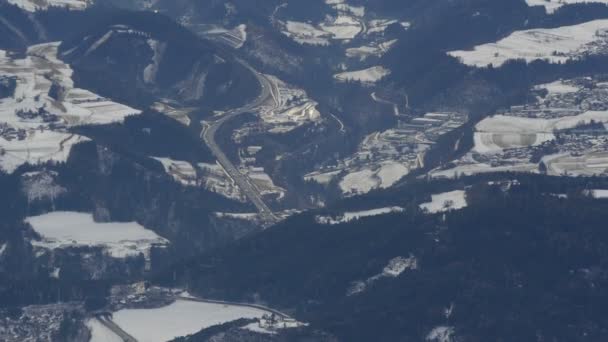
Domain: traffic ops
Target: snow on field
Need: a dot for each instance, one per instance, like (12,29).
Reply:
(555,45)
(552,5)
(441,334)
(393,269)
(369,75)
(305,33)
(289,108)
(36,147)
(322,177)
(182,171)
(343,6)
(446,201)
(35,5)
(367,179)
(345,26)
(591,163)
(501,132)
(34,120)
(599,194)
(363,52)
(558,87)
(180,318)
(479,168)
(71,229)
(100,333)
(357,215)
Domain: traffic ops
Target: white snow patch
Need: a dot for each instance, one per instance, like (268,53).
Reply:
(72,229)
(393,269)
(33,124)
(36,5)
(499,132)
(555,45)
(558,87)
(367,179)
(369,75)
(183,172)
(441,334)
(446,201)
(357,215)
(552,5)
(599,194)
(180,318)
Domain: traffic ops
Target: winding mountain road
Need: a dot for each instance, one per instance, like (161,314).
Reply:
(210,130)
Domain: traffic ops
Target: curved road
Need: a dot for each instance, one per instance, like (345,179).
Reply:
(208,135)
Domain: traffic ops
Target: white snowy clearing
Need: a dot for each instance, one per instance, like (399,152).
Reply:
(558,87)
(552,5)
(180,318)
(441,334)
(357,215)
(500,132)
(555,45)
(368,179)
(393,269)
(36,5)
(446,201)
(32,122)
(182,172)
(71,229)
(599,194)
(367,76)
(100,333)
(363,52)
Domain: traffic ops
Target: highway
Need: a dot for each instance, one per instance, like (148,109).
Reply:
(210,130)
(106,320)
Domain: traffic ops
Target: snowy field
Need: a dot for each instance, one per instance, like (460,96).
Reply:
(599,194)
(181,318)
(555,45)
(552,5)
(72,229)
(182,171)
(559,87)
(446,201)
(357,215)
(367,76)
(500,132)
(365,51)
(35,5)
(33,124)
(380,176)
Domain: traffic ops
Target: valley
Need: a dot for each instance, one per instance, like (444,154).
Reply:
(320,170)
